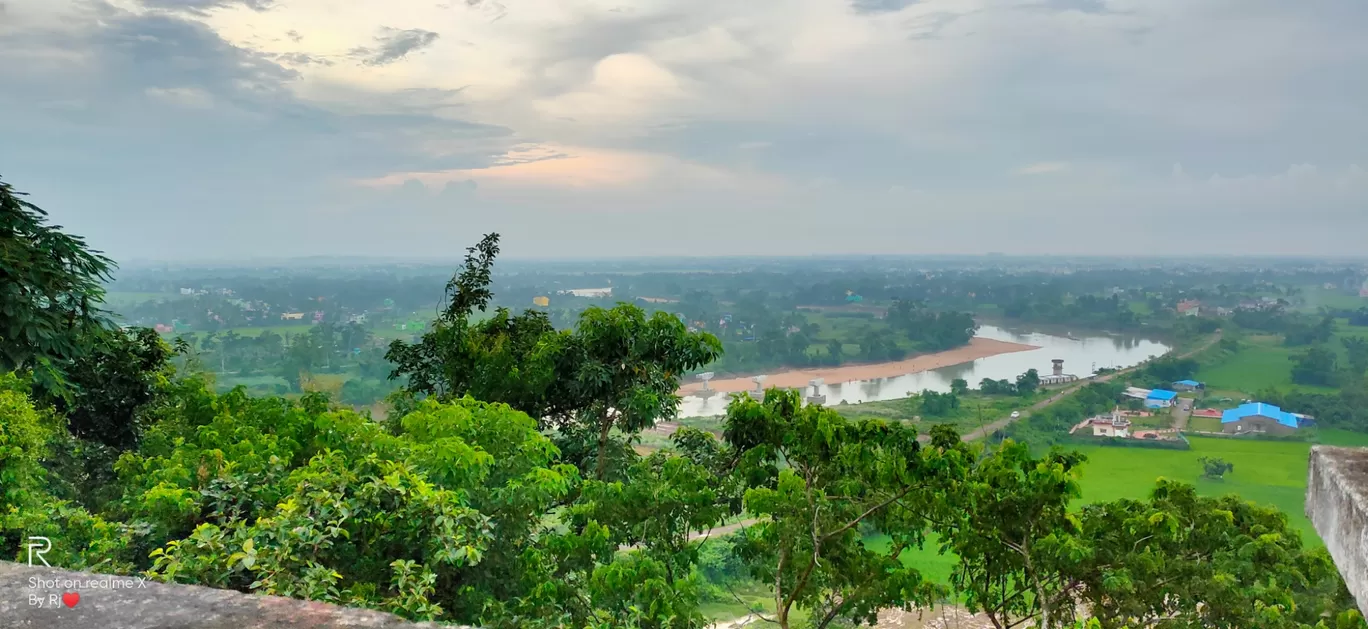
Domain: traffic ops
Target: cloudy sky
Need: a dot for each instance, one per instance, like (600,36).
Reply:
(184,129)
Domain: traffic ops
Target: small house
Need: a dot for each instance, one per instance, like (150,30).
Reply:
(1160,398)
(1257,417)
(1188,385)
(292,316)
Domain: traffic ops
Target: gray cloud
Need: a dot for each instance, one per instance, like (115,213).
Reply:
(394,44)
(826,129)
(880,6)
(301,59)
(200,7)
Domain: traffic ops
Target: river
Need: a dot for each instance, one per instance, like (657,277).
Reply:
(1082,355)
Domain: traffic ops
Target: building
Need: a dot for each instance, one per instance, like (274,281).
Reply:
(1188,385)
(1189,307)
(292,316)
(1160,398)
(1136,393)
(1057,375)
(1258,417)
(588,292)
(1113,424)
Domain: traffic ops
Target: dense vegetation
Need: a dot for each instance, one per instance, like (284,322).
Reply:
(502,491)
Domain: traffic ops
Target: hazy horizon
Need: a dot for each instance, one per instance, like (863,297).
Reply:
(211,130)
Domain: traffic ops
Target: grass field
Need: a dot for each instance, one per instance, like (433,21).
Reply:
(1204,424)
(975,410)
(1263,361)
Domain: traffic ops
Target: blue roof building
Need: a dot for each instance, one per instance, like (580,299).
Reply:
(1160,398)
(1187,385)
(1260,417)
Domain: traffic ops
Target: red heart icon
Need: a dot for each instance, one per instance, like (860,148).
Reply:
(70,599)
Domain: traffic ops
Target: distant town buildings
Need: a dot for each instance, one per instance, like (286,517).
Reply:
(588,292)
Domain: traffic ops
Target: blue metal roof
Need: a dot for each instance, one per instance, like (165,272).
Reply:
(1162,394)
(1259,409)
(1190,383)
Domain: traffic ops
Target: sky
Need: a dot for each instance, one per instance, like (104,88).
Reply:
(234,129)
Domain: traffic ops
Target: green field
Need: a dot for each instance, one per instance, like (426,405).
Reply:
(1204,424)
(1263,361)
(974,411)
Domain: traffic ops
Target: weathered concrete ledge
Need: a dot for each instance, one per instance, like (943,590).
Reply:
(48,598)
(1337,504)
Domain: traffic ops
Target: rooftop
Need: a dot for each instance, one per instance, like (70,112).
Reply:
(1190,383)
(1162,394)
(1259,409)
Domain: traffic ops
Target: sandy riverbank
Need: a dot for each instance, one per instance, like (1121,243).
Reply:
(977,348)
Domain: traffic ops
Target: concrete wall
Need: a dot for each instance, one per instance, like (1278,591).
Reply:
(1337,504)
(33,597)
(1255,423)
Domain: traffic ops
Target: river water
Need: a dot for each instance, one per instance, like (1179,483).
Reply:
(1082,355)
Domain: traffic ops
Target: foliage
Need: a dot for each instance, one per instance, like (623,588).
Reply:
(929,330)
(50,290)
(938,404)
(988,386)
(118,374)
(838,477)
(1357,348)
(1215,467)
(1315,366)
(1175,560)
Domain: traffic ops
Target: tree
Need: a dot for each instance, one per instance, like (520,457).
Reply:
(1357,347)
(1315,366)
(622,368)
(834,352)
(938,404)
(838,480)
(1006,522)
(618,369)
(959,386)
(50,289)
(1028,382)
(1215,467)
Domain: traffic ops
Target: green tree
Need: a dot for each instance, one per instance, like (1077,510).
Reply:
(617,370)
(959,386)
(50,289)
(1315,366)
(1028,382)
(936,404)
(838,480)
(1215,467)
(1357,347)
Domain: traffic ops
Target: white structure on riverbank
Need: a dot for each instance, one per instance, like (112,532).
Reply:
(1057,375)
